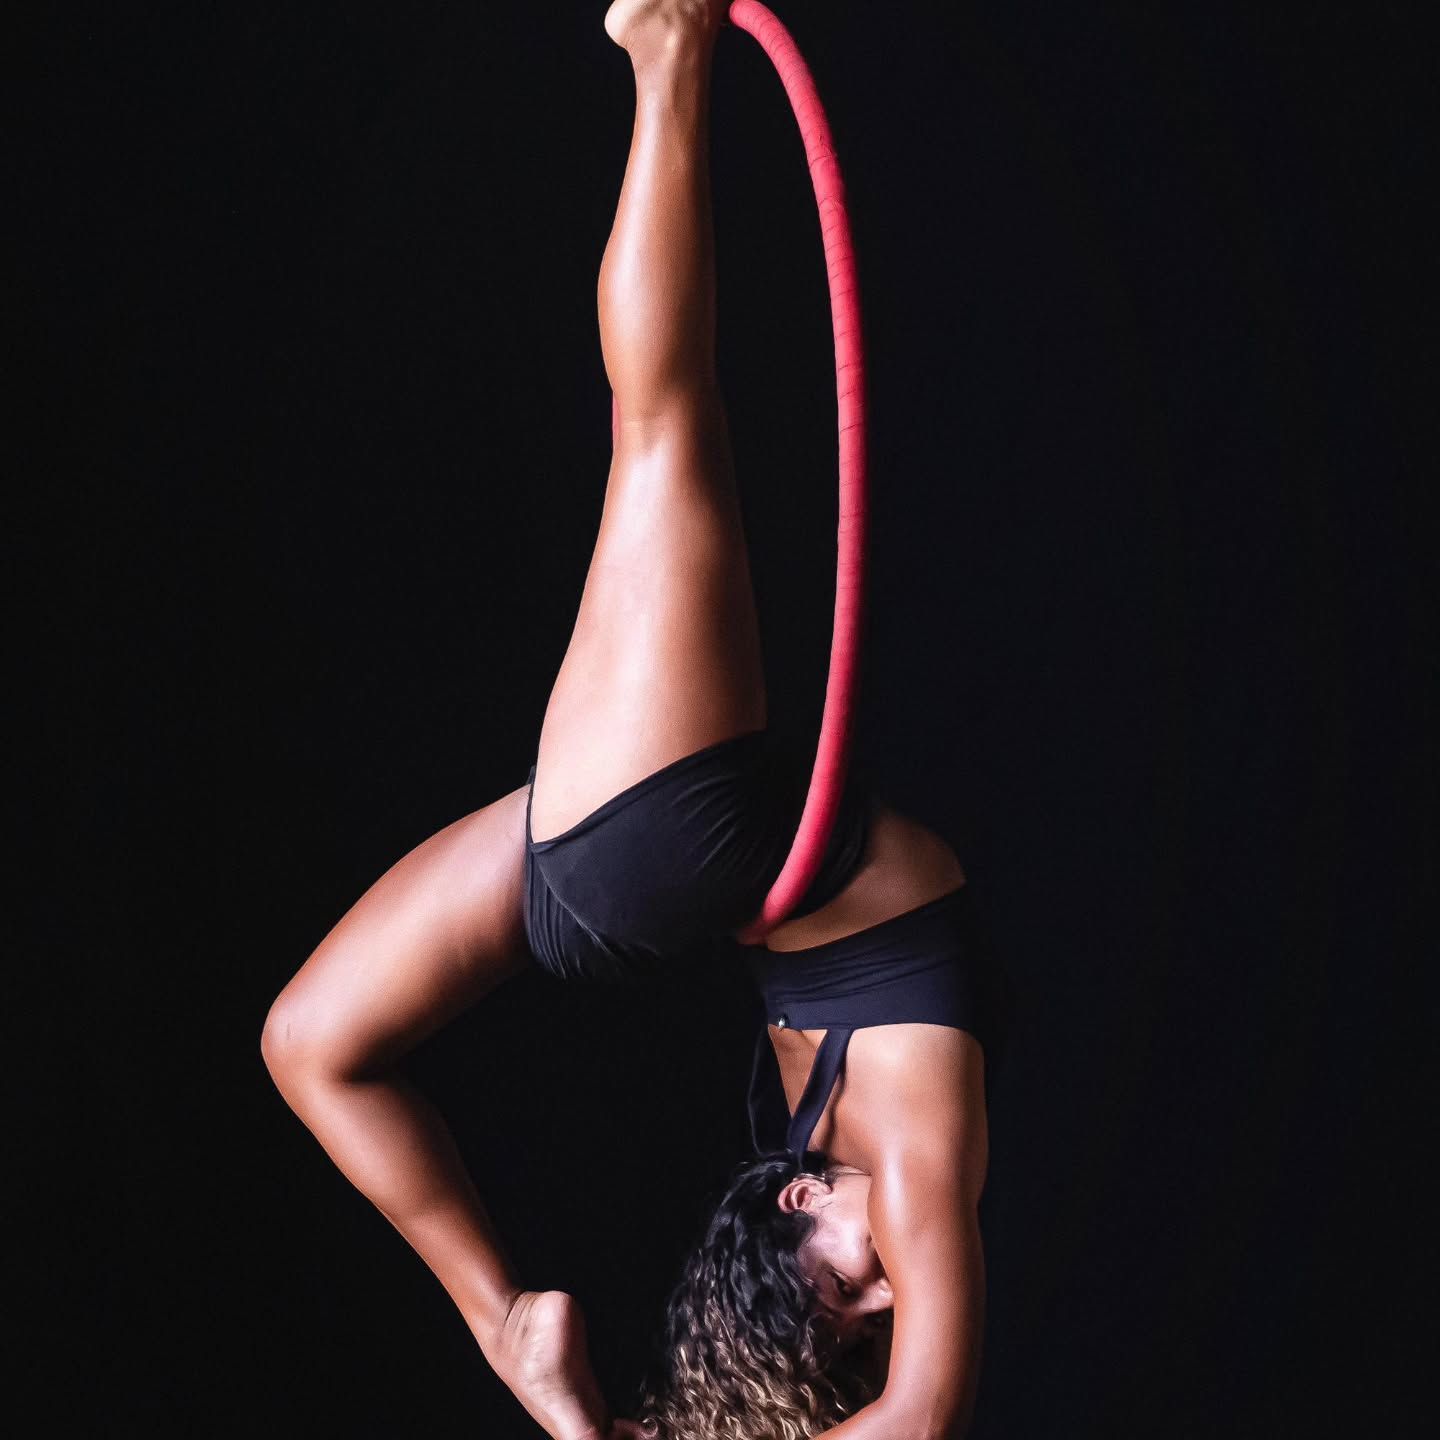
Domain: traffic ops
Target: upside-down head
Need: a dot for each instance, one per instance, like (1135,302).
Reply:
(778,1327)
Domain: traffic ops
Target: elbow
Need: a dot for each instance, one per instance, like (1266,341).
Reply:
(954,1429)
(918,1428)
(921,1421)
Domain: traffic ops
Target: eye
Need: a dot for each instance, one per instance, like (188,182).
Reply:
(845,1288)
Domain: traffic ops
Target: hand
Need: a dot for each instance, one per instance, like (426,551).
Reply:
(541,1354)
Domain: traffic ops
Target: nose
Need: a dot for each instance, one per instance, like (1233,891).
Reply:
(875,1306)
(877,1297)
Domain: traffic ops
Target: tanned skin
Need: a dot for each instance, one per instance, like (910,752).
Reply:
(664,660)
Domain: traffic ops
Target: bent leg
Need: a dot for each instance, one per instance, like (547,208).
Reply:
(432,936)
(665,655)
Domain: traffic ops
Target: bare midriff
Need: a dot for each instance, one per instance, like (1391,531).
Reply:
(905,866)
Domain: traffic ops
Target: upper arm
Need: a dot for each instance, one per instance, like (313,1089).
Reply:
(925,1224)
(928,1173)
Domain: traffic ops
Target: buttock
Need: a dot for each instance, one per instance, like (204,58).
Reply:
(679,860)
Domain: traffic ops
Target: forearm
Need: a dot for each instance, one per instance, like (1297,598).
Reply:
(393,1146)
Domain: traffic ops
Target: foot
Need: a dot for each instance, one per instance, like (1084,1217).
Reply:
(650,29)
(543,1357)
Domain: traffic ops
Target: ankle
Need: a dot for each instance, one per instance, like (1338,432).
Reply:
(679,84)
(677,52)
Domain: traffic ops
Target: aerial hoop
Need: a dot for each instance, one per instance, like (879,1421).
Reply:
(832,750)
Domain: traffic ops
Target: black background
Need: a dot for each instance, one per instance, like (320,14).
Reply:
(306,327)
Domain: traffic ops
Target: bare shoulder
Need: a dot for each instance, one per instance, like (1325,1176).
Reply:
(916,1103)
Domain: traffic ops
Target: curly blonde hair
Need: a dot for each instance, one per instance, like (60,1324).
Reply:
(741,1356)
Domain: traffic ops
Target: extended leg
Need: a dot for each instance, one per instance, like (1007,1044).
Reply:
(665,655)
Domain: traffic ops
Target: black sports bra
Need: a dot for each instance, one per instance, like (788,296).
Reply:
(927,965)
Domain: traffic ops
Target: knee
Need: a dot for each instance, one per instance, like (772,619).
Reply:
(276,1038)
(293,1039)
(690,415)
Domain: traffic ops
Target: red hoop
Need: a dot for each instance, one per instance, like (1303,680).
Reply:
(832,752)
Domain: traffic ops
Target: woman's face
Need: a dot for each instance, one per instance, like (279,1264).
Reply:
(838,1256)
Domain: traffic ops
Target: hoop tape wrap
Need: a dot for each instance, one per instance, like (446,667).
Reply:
(832,753)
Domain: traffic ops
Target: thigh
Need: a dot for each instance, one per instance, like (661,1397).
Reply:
(665,656)
(428,939)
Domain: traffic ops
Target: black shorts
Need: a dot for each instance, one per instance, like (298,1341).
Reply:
(679,860)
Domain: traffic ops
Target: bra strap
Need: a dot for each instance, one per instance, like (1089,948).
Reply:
(828,1064)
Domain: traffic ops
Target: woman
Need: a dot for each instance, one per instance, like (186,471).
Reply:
(656,817)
